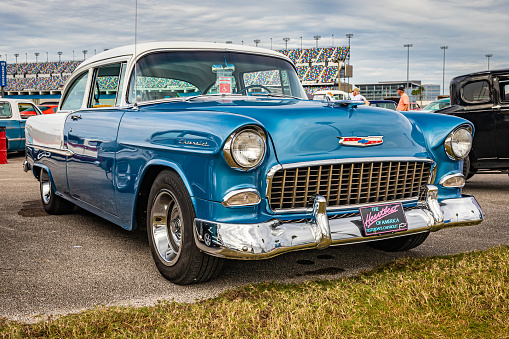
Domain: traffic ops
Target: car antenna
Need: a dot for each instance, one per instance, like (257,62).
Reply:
(135,61)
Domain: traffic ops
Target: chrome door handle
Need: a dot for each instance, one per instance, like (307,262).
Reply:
(496,107)
(75,117)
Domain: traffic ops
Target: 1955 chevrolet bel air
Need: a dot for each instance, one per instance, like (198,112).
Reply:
(216,150)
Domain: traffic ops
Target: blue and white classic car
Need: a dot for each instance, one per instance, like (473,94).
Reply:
(216,150)
(13,116)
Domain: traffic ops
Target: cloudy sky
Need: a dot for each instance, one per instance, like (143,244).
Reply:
(470,29)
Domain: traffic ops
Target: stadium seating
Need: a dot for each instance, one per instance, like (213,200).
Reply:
(329,74)
(314,73)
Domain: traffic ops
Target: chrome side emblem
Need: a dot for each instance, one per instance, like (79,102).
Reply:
(361,141)
(194,143)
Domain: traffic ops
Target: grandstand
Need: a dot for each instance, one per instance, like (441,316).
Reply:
(38,78)
(317,68)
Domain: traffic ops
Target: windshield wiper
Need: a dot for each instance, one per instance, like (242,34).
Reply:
(211,95)
(275,95)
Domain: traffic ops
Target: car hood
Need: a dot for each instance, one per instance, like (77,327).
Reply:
(303,130)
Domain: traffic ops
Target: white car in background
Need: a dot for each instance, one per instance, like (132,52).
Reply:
(333,94)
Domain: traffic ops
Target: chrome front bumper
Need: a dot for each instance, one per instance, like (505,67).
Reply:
(271,238)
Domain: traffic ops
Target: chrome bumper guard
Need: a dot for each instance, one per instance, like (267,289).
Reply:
(271,238)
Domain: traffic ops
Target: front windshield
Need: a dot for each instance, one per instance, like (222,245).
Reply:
(437,105)
(190,73)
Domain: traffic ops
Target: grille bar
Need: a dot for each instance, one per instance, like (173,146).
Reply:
(346,184)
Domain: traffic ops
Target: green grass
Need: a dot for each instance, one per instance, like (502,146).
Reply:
(460,296)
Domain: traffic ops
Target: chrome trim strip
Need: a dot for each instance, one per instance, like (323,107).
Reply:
(273,169)
(271,238)
(65,152)
(15,139)
(240,191)
(342,208)
(447,177)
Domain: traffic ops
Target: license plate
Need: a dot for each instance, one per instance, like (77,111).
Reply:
(386,218)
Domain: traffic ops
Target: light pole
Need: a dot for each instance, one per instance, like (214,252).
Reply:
(26,58)
(256,41)
(317,37)
(286,42)
(16,55)
(72,55)
(301,43)
(84,54)
(59,56)
(270,43)
(489,56)
(36,57)
(349,36)
(407,63)
(443,72)
(332,40)
(47,57)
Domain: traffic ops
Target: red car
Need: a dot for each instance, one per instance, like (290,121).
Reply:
(48,109)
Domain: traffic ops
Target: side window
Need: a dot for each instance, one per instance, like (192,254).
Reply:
(74,97)
(5,110)
(27,110)
(106,86)
(504,90)
(476,92)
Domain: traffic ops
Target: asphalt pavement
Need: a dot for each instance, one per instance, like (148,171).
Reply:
(53,265)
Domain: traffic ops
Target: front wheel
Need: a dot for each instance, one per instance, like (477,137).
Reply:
(400,244)
(170,233)
(467,169)
(52,203)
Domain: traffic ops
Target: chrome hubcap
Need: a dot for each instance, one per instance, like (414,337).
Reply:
(167,228)
(45,190)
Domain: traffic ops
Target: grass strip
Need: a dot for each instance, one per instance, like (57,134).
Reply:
(459,296)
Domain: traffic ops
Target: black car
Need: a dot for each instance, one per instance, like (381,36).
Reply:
(483,98)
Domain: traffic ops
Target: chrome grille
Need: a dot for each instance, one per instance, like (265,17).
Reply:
(347,184)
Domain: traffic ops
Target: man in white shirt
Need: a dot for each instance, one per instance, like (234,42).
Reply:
(356,96)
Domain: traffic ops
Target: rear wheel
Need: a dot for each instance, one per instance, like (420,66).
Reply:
(52,203)
(170,233)
(400,244)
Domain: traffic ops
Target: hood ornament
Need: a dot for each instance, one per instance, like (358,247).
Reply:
(361,141)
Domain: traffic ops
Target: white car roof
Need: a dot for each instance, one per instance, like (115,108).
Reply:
(332,91)
(16,100)
(175,45)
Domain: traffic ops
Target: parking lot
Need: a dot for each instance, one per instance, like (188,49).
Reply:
(60,264)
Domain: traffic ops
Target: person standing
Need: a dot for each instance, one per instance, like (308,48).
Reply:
(404,100)
(357,96)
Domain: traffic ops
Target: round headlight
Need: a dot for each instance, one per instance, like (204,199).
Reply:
(458,143)
(245,149)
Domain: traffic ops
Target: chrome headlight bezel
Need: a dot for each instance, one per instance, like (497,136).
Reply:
(229,153)
(450,144)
